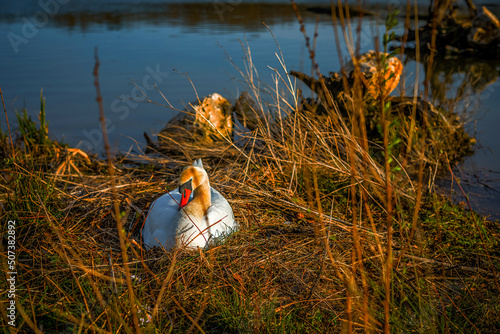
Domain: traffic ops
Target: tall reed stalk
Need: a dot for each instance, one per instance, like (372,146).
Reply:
(116,204)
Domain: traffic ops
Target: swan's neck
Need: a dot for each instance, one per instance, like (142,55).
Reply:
(198,206)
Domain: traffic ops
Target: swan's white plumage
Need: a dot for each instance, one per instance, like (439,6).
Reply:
(170,227)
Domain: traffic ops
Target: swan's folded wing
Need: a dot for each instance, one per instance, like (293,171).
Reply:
(160,225)
(220,215)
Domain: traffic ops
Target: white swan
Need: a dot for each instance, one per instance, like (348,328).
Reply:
(189,216)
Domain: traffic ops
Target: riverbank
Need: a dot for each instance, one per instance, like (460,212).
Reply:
(326,242)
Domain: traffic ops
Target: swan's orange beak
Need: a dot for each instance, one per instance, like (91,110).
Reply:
(185,189)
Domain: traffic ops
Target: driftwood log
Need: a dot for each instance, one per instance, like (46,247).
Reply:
(478,35)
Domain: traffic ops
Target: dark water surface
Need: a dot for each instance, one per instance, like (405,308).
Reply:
(52,47)
(137,41)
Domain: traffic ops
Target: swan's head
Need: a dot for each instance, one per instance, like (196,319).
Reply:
(191,178)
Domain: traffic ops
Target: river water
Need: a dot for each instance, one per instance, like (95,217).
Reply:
(50,44)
